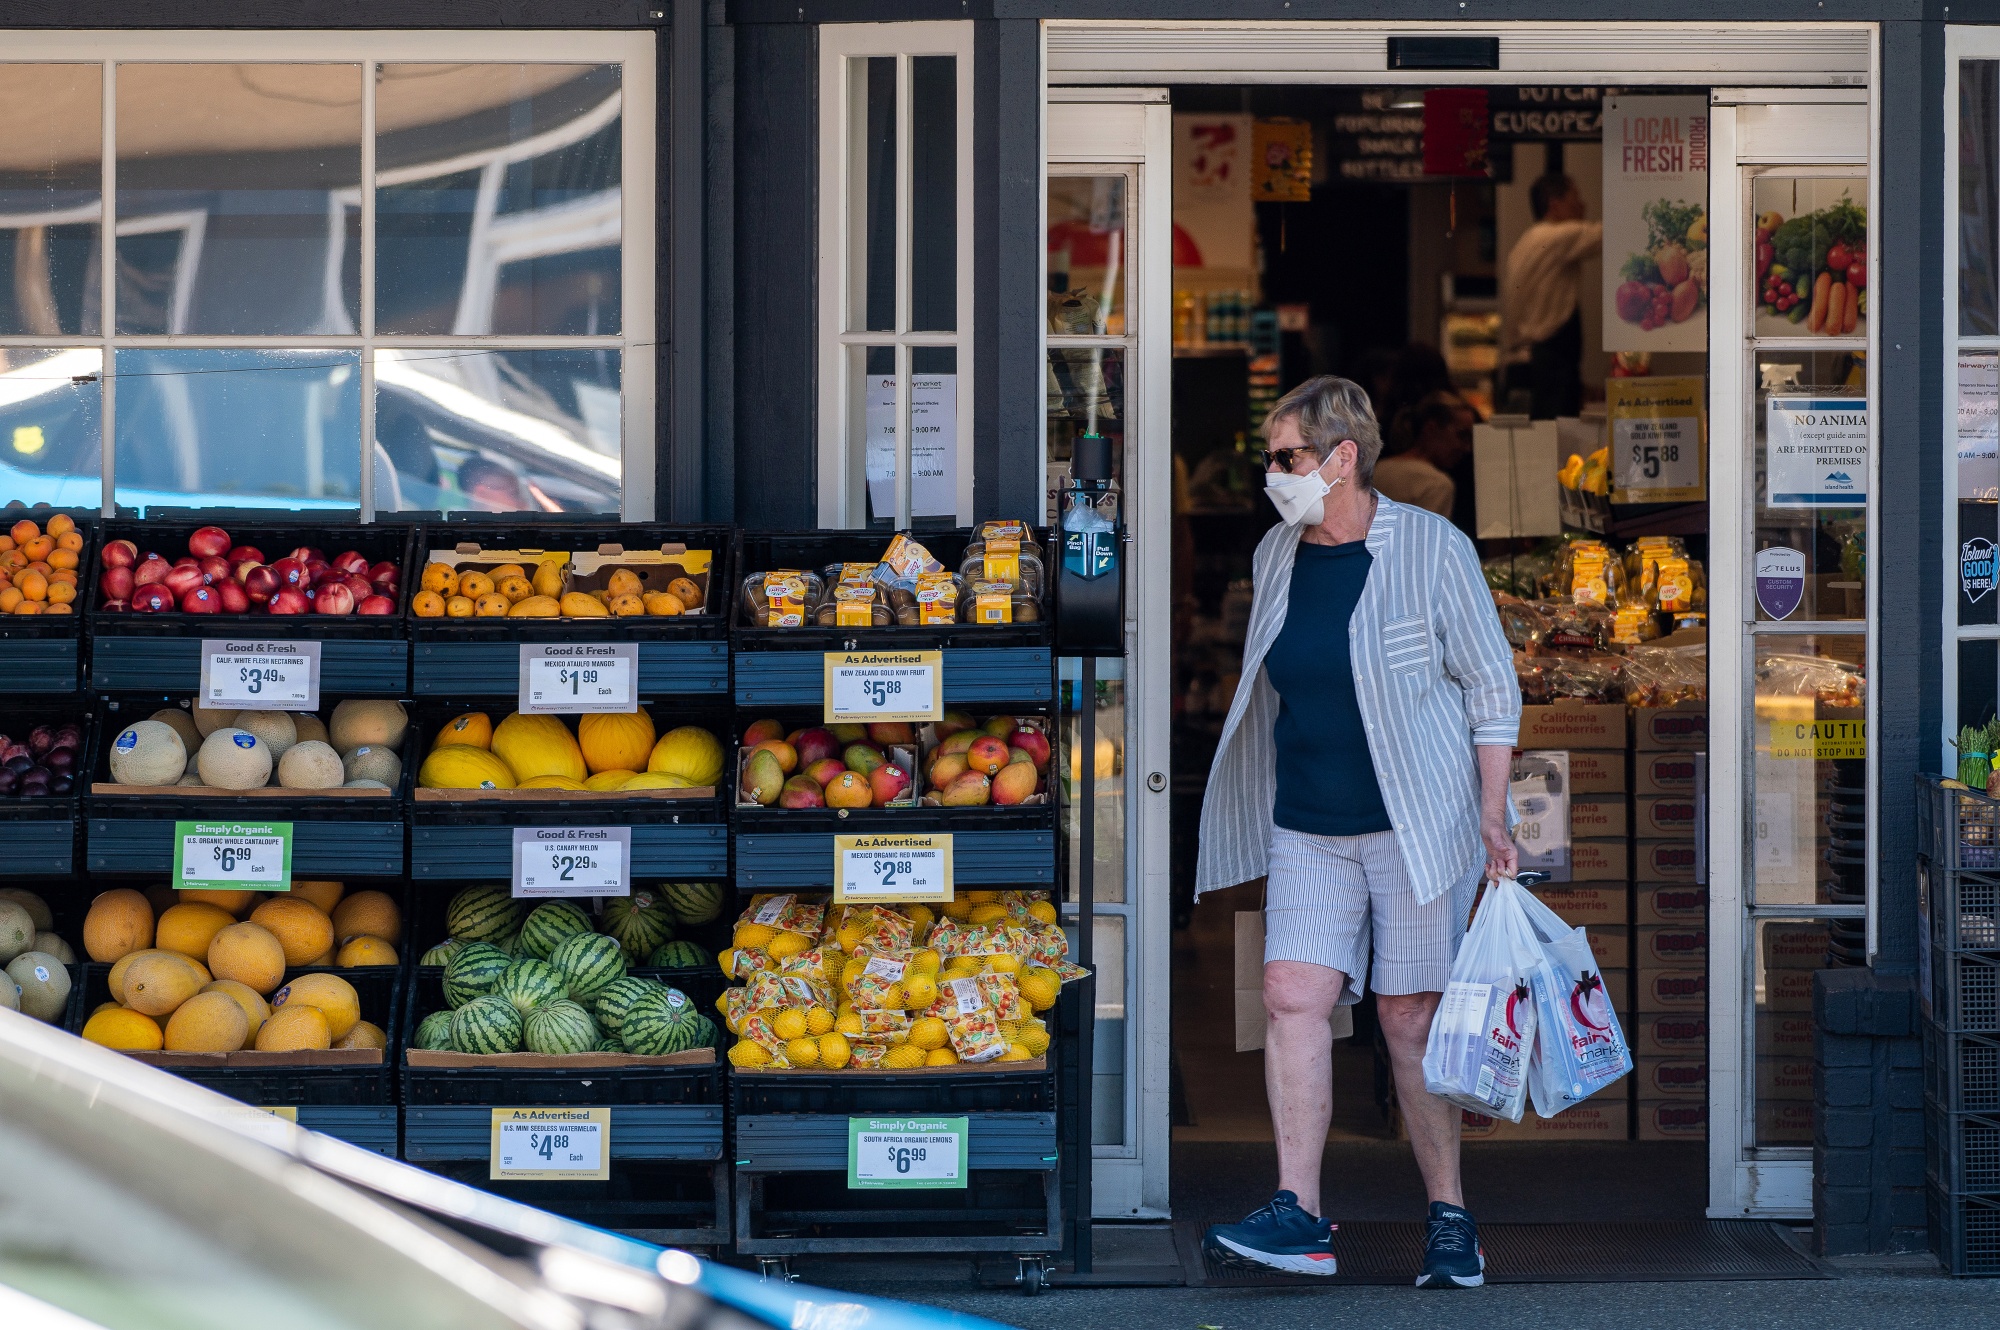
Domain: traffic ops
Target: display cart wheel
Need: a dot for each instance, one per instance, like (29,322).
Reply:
(776,1267)
(1033,1277)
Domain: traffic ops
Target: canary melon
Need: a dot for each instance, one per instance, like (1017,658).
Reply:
(250,954)
(119,922)
(606,781)
(463,767)
(295,1029)
(615,741)
(373,913)
(374,722)
(689,752)
(158,983)
(190,926)
(533,745)
(472,729)
(553,783)
(657,780)
(208,1023)
(126,1030)
(334,996)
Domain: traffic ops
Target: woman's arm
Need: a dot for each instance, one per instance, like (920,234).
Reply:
(1476,654)
(1495,768)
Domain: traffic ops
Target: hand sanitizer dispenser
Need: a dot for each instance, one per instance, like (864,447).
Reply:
(1090,617)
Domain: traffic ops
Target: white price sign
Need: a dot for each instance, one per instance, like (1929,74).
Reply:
(551,1143)
(884,685)
(572,861)
(260,676)
(892,868)
(887,1153)
(1539,788)
(573,678)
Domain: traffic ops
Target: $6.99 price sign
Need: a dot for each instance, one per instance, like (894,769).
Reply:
(241,856)
(883,685)
(572,861)
(896,1153)
(551,1143)
(892,868)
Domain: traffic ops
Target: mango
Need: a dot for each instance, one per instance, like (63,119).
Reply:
(968,791)
(763,779)
(1014,782)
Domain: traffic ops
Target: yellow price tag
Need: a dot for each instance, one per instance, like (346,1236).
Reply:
(881,869)
(551,1144)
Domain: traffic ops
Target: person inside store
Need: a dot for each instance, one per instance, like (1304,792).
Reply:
(1362,771)
(1426,444)
(1541,324)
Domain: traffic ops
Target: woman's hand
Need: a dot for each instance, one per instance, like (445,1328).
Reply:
(1502,858)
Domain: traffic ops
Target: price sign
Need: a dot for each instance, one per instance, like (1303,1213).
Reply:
(551,1143)
(260,676)
(892,868)
(1539,789)
(243,856)
(884,685)
(898,1153)
(568,680)
(572,861)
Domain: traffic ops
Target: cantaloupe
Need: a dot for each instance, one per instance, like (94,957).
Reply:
(233,759)
(359,721)
(56,947)
(310,765)
(208,1023)
(334,996)
(37,908)
(374,913)
(371,762)
(363,785)
(615,741)
(17,930)
(148,752)
(363,950)
(10,993)
(254,1007)
(119,921)
(44,984)
(126,1030)
(189,927)
(276,729)
(302,928)
(363,1035)
(463,767)
(207,722)
(310,727)
(182,724)
(236,902)
(324,894)
(158,983)
(534,745)
(249,954)
(293,1029)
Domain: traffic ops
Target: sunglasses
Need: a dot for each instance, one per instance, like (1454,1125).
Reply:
(1282,457)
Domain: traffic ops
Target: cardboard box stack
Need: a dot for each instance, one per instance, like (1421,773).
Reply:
(1787,954)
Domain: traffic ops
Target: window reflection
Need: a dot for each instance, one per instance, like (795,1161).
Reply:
(49,204)
(497,431)
(50,424)
(1086,248)
(498,199)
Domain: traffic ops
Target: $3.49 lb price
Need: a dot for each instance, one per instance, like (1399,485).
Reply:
(260,676)
(551,1143)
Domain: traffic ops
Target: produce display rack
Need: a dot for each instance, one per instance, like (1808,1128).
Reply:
(360,655)
(334,835)
(42,833)
(670,1171)
(685,655)
(43,653)
(357,1103)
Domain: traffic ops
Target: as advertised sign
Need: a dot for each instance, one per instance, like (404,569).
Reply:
(892,868)
(1656,256)
(1816,452)
(1781,581)
(572,861)
(863,686)
(1539,788)
(905,1153)
(1659,438)
(551,1144)
(259,676)
(238,856)
(573,678)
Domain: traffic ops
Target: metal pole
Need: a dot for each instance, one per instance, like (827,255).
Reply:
(1086,910)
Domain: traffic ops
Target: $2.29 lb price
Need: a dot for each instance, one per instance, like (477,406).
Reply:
(549,1143)
(572,861)
(233,855)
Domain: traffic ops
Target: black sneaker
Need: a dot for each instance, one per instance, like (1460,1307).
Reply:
(1452,1255)
(1280,1236)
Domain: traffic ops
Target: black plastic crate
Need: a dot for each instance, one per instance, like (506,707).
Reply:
(1965,1231)
(458,836)
(687,655)
(1957,828)
(360,655)
(43,653)
(333,836)
(1965,992)
(1964,1151)
(42,833)
(381,990)
(882,1093)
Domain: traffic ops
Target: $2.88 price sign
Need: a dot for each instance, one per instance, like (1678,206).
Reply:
(551,1143)
(912,1153)
(892,868)
(884,685)
(572,861)
(241,856)
(573,678)
(259,676)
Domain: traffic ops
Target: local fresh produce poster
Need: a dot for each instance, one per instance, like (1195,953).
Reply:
(1656,223)
(1812,256)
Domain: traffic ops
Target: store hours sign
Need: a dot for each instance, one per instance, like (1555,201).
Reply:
(1816,452)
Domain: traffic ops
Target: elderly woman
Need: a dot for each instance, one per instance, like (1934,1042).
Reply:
(1363,771)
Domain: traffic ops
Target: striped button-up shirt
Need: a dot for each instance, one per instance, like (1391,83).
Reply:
(1433,675)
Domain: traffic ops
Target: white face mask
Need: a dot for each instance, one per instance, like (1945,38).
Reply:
(1300,500)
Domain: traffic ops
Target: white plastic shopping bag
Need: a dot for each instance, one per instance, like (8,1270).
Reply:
(1579,1047)
(1485,1025)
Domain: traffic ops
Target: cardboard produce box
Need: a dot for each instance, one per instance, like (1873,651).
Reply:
(1669,772)
(1668,946)
(1673,1119)
(1784,1122)
(1664,817)
(1598,861)
(1672,1078)
(1784,1078)
(1794,946)
(1611,946)
(1788,990)
(1604,1118)
(1676,989)
(1618,988)
(1783,1034)
(1251,1018)
(1598,819)
(1594,771)
(1670,905)
(1664,861)
(1670,1034)
(1573,725)
(1586,907)
(1683,728)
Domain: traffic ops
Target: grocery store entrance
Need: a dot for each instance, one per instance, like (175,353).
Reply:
(1533,315)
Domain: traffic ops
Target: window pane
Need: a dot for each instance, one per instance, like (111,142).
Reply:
(497,199)
(1809,813)
(499,431)
(1978,126)
(51,426)
(1978,682)
(871,292)
(50,170)
(933,430)
(238,428)
(1807,229)
(933,193)
(1107,782)
(1087,254)
(1107,1062)
(233,185)
(1086,395)
(1812,475)
(1787,951)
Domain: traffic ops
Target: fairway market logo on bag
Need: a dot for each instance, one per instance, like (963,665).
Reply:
(1975,568)
(1592,1011)
(1509,1038)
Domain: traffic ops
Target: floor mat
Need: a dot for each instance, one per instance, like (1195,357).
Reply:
(1382,1253)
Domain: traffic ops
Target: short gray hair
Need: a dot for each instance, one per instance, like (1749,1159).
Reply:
(1329,410)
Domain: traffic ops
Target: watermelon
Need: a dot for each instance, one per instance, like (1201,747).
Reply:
(560,1027)
(482,914)
(680,956)
(509,943)
(434,1034)
(694,902)
(442,953)
(704,1032)
(529,984)
(548,925)
(474,972)
(615,999)
(486,1025)
(658,1022)
(588,963)
(609,1045)
(640,922)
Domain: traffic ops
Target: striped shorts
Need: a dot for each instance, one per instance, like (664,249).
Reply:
(1328,898)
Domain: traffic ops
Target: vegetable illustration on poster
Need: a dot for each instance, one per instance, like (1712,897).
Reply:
(1656,223)
(1811,265)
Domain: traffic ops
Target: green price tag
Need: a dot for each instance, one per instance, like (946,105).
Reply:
(244,856)
(889,1153)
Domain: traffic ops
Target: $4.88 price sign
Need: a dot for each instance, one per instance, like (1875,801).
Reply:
(241,856)
(886,1153)
(573,678)
(259,676)
(572,861)
(892,868)
(884,685)
(551,1143)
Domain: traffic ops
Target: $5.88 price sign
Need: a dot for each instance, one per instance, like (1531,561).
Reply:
(892,868)
(572,861)
(884,685)
(890,1153)
(551,1143)
(241,856)
(259,676)
(573,678)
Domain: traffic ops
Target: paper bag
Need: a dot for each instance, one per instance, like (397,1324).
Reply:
(1514,466)
(1250,986)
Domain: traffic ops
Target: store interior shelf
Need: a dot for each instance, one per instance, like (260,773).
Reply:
(493,669)
(784,860)
(807,1142)
(39,847)
(374,1127)
(320,848)
(972,675)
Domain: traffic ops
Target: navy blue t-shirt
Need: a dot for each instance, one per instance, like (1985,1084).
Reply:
(1326,779)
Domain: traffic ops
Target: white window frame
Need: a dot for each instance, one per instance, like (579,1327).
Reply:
(635,52)
(843,491)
